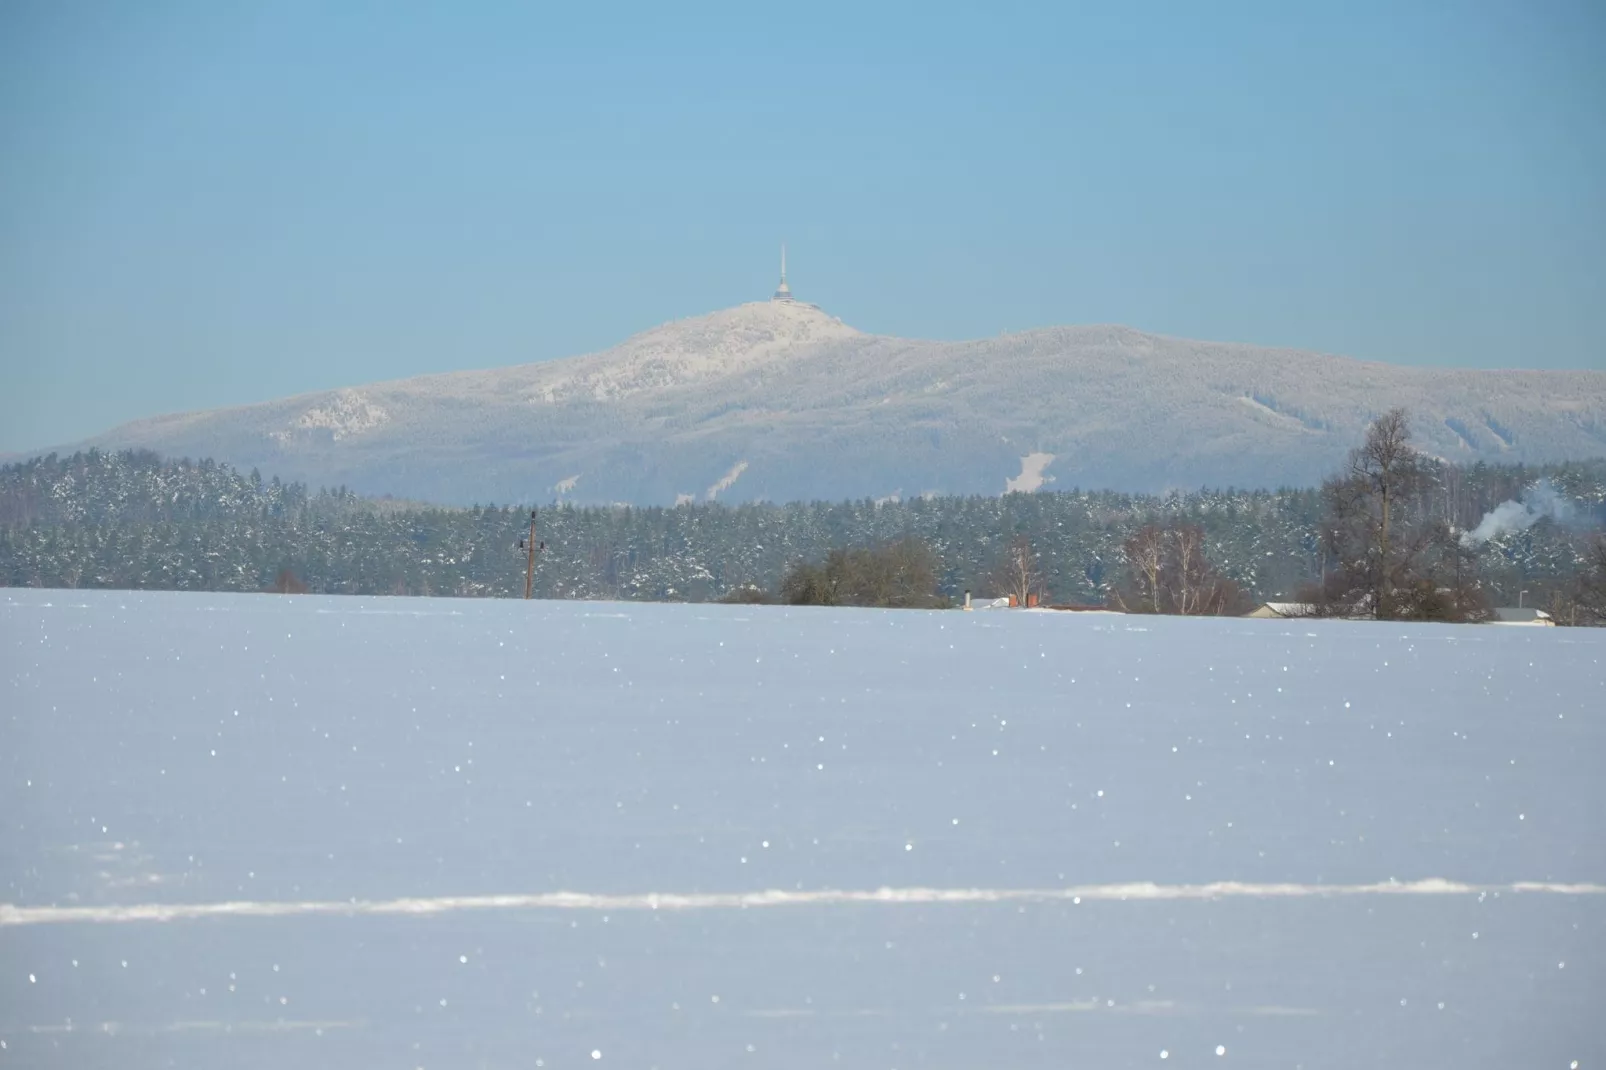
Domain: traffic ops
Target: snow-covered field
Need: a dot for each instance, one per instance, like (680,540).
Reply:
(259,831)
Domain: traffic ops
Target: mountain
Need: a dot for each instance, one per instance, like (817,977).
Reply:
(779,400)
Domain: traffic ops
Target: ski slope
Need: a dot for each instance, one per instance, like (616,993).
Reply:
(260,831)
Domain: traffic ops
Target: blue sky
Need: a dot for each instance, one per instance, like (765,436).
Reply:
(209,203)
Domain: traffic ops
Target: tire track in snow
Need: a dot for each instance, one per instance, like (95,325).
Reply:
(12,915)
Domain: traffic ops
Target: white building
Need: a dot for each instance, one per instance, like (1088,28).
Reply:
(1532,618)
(1275,610)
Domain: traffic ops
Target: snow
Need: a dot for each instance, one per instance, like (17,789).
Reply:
(728,480)
(701,347)
(346,413)
(793,390)
(1031,478)
(448,833)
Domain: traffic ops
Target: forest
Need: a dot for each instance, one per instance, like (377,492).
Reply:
(135,520)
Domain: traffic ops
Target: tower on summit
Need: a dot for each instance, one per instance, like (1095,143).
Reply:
(783,292)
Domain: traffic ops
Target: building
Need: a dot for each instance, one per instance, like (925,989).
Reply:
(1532,618)
(1274,610)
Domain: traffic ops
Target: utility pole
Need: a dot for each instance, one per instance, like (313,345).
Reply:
(529,568)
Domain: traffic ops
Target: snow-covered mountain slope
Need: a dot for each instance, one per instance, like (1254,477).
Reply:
(782,401)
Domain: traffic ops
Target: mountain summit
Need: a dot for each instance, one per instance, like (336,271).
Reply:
(780,400)
(715,346)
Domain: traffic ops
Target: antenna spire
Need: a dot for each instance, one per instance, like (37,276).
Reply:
(783,292)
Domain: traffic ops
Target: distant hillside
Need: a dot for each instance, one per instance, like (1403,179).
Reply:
(131,520)
(781,401)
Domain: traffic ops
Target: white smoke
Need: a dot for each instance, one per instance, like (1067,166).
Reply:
(1538,501)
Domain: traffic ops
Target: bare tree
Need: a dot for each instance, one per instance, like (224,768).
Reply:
(900,574)
(1381,471)
(287,582)
(1169,571)
(1196,582)
(1145,558)
(1018,573)
(1389,553)
(1588,596)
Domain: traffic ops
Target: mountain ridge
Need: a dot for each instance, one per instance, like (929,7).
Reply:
(781,400)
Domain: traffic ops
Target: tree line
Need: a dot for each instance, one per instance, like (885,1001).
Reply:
(1389,552)
(133,520)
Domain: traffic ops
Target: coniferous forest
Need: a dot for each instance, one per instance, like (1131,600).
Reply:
(134,520)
